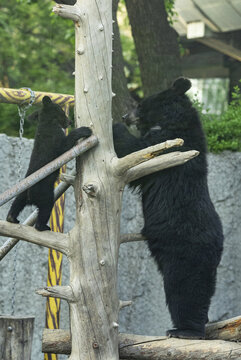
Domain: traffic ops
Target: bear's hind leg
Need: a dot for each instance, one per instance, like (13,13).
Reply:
(188,293)
(188,318)
(17,206)
(44,215)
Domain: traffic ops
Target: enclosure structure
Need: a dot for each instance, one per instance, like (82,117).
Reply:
(92,245)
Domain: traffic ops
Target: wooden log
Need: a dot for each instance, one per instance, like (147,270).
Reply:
(229,329)
(56,341)
(151,347)
(16,334)
(138,347)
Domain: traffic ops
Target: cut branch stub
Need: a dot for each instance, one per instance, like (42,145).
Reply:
(123,304)
(68,11)
(91,189)
(61,292)
(124,238)
(68,179)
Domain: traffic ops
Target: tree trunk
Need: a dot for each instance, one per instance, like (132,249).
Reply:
(94,239)
(16,335)
(123,102)
(156,44)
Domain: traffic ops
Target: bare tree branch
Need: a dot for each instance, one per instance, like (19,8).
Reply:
(123,164)
(159,163)
(49,239)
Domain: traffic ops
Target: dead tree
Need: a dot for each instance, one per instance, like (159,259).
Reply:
(92,245)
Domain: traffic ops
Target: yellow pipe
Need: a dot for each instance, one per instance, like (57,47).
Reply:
(22,96)
(52,315)
(56,221)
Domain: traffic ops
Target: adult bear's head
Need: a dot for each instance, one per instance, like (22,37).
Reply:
(164,109)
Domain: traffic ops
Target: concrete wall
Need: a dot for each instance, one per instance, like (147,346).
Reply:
(138,276)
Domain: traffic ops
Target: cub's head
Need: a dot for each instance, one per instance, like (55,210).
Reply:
(164,109)
(53,113)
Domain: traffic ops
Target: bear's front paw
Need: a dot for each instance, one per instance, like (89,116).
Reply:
(12,219)
(185,334)
(83,132)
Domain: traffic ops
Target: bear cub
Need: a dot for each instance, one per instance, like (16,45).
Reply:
(50,142)
(183,230)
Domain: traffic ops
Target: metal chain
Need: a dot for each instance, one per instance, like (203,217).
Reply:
(22,112)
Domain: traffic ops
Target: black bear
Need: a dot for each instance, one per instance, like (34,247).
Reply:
(50,142)
(182,228)
(67,2)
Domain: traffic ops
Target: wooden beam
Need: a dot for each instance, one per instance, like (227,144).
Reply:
(228,44)
(203,64)
(221,46)
(152,347)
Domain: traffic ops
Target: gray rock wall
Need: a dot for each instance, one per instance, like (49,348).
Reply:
(138,276)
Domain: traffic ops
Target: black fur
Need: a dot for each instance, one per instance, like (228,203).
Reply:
(183,230)
(67,2)
(50,142)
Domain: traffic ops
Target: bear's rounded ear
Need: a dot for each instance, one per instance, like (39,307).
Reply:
(181,85)
(46,101)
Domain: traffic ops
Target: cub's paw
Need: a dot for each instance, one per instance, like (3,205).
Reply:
(12,219)
(83,132)
(41,227)
(185,334)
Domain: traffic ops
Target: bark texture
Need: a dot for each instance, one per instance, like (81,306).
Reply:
(94,240)
(16,335)
(156,44)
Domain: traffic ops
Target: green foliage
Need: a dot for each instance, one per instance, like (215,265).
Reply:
(37,51)
(223,132)
(169,5)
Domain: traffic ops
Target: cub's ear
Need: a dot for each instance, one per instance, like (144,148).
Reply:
(46,101)
(181,85)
